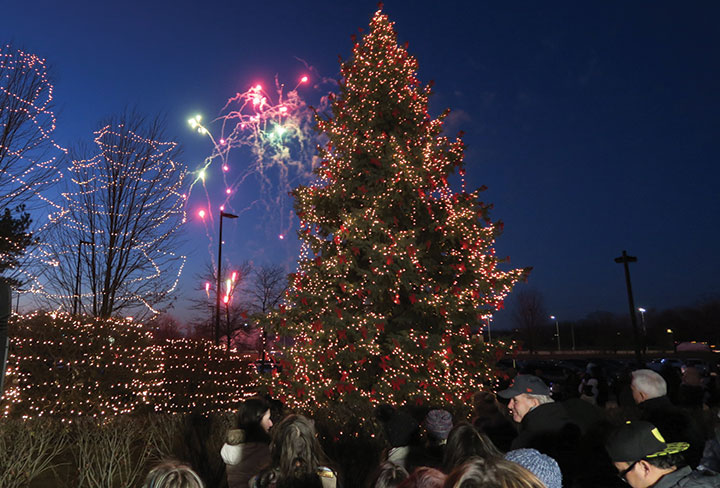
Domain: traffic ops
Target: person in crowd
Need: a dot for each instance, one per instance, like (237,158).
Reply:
(492,473)
(438,424)
(544,467)
(424,477)
(388,475)
(489,418)
(247,448)
(692,391)
(649,391)
(536,412)
(172,474)
(402,432)
(465,442)
(643,459)
(296,458)
(545,425)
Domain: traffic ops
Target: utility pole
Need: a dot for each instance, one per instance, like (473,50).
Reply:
(625,260)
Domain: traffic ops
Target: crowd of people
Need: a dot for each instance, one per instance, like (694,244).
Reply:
(522,437)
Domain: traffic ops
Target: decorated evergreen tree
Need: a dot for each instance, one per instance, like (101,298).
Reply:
(397,269)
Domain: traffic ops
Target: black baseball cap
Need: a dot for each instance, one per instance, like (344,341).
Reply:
(525,383)
(639,440)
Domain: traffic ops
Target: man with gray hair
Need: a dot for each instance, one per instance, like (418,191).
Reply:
(649,390)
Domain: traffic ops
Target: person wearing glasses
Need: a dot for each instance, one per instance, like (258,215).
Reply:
(643,459)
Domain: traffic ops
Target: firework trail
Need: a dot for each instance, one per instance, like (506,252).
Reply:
(274,135)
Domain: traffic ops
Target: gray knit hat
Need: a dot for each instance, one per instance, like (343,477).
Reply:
(541,465)
(439,424)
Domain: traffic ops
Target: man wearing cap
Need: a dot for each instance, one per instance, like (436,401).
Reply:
(544,424)
(643,459)
(533,408)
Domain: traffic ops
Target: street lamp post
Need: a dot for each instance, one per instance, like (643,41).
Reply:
(557,329)
(488,319)
(76,298)
(644,329)
(219,267)
(625,260)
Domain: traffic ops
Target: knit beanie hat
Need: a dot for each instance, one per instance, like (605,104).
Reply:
(541,465)
(439,424)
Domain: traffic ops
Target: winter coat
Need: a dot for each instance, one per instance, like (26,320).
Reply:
(243,459)
(687,478)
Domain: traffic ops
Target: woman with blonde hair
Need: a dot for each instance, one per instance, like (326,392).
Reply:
(172,474)
(492,473)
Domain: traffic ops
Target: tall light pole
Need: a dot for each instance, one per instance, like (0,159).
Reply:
(219,267)
(557,329)
(625,260)
(76,298)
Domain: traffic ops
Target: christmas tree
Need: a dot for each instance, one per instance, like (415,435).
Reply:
(397,269)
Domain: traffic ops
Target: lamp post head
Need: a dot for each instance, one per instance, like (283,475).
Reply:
(227,215)
(641,310)
(552,317)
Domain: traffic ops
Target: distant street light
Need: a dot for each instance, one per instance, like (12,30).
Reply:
(672,338)
(219,267)
(557,330)
(644,329)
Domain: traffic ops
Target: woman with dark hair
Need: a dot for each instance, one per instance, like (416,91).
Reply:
(465,442)
(489,419)
(296,458)
(247,448)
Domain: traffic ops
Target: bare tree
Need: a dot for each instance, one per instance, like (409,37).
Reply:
(529,314)
(115,243)
(266,292)
(27,152)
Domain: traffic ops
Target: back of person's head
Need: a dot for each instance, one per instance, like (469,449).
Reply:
(295,451)
(485,404)
(465,442)
(541,465)
(172,474)
(492,473)
(438,424)
(388,475)
(424,477)
(250,415)
(650,383)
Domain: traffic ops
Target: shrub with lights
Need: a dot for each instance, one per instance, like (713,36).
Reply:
(69,367)
(65,366)
(397,269)
(201,377)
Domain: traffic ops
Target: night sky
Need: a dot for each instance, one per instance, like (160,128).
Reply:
(594,125)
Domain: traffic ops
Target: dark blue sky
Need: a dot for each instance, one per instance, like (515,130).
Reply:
(594,124)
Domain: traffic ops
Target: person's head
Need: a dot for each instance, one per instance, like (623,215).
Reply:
(544,467)
(465,442)
(485,404)
(641,455)
(647,384)
(492,473)
(254,418)
(525,393)
(295,451)
(438,424)
(388,475)
(172,474)
(424,477)
(401,429)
